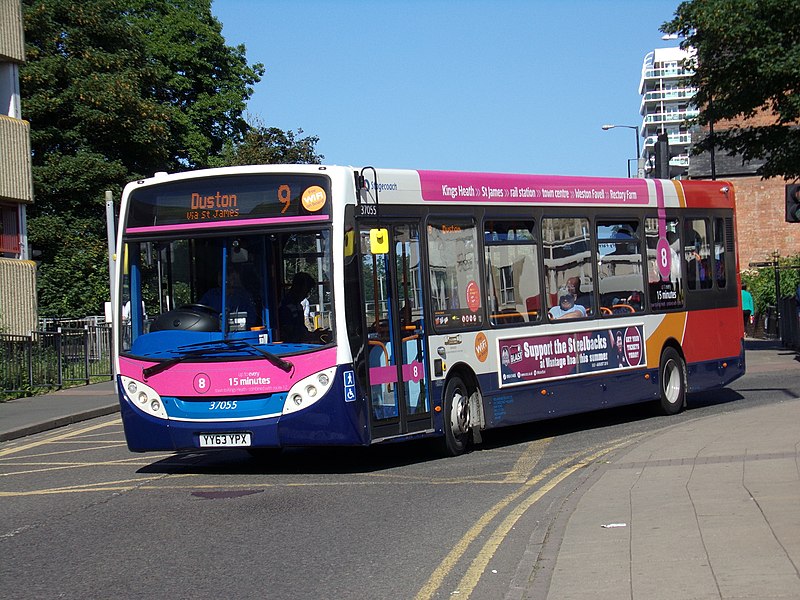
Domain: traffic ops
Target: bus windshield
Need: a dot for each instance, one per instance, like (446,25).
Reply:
(182,295)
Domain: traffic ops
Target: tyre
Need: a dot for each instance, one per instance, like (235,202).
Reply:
(456,417)
(672,381)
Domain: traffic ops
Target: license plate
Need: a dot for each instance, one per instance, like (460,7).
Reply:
(224,440)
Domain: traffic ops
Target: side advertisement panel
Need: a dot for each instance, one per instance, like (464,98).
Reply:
(546,357)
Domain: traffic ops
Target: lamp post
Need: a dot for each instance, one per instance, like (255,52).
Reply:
(639,166)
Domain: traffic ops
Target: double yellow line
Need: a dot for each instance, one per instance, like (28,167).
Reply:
(526,496)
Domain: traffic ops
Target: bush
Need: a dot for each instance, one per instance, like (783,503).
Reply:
(761,282)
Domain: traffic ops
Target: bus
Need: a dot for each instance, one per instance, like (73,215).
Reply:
(430,303)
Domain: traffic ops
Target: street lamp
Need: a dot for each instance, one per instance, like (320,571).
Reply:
(639,169)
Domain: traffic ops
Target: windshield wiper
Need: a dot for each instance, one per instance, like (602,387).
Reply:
(163,366)
(283,365)
(231,345)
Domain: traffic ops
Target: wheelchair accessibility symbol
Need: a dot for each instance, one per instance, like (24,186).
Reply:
(349,386)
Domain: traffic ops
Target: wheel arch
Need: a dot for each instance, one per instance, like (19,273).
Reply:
(467,374)
(671,342)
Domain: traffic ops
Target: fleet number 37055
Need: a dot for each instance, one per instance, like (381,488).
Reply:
(222,405)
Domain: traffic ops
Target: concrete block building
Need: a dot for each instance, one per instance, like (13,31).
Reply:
(17,272)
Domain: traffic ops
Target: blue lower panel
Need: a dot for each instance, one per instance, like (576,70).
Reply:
(715,374)
(330,421)
(144,432)
(523,404)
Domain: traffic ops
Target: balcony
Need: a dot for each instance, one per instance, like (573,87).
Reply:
(16,182)
(665,73)
(672,117)
(679,161)
(674,94)
(656,96)
(675,139)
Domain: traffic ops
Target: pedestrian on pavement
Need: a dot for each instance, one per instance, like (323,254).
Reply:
(747,305)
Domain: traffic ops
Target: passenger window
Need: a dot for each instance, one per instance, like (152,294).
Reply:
(620,281)
(567,248)
(719,252)
(454,272)
(697,254)
(512,273)
(664,280)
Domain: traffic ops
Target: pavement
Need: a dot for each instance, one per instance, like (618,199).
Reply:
(26,416)
(705,509)
(708,508)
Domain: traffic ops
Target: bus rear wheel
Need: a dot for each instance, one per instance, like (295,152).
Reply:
(456,417)
(673,381)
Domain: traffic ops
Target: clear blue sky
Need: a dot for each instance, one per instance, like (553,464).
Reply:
(486,85)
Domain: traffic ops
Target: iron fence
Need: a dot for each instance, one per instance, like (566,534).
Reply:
(54,357)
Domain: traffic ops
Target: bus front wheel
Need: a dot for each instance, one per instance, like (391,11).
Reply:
(673,381)
(456,417)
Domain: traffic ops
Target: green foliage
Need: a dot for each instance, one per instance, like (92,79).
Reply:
(747,61)
(205,82)
(114,90)
(269,145)
(761,282)
(74,282)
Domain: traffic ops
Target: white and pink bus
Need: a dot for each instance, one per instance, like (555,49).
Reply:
(301,305)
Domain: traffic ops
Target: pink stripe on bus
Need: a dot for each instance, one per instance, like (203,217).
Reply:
(235,223)
(494,187)
(381,375)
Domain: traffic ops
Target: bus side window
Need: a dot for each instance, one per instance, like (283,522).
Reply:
(454,268)
(719,252)
(567,248)
(664,279)
(512,274)
(619,267)
(696,254)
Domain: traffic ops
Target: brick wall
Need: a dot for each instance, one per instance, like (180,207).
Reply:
(760,204)
(760,224)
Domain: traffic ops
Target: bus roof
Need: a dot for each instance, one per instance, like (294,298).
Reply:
(408,186)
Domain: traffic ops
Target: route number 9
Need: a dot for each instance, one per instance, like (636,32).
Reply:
(285,197)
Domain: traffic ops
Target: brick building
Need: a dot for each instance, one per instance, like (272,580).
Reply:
(760,203)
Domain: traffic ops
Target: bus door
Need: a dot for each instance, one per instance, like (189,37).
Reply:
(394,313)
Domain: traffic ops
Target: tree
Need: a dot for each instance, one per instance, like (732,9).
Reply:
(114,90)
(747,62)
(207,82)
(270,145)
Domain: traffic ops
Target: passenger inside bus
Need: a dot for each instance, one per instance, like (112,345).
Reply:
(581,298)
(567,308)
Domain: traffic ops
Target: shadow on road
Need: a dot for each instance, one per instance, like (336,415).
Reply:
(354,460)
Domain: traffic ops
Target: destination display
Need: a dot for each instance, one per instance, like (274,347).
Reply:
(230,198)
(539,358)
(491,187)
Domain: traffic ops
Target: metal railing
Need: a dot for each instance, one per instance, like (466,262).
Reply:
(54,358)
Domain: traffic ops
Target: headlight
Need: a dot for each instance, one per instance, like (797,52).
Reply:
(143,397)
(308,390)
